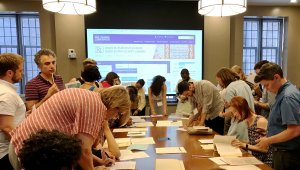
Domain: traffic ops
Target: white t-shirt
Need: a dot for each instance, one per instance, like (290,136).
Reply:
(10,104)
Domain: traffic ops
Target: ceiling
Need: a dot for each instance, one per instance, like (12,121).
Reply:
(250,2)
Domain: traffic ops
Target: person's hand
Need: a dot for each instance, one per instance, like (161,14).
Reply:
(262,143)
(238,143)
(52,90)
(136,112)
(129,122)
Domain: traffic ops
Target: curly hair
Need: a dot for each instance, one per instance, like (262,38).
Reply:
(91,73)
(37,56)
(157,84)
(50,150)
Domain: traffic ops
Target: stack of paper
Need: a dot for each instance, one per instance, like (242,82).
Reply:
(208,147)
(206,141)
(145,141)
(170,150)
(130,130)
(134,134)
(224,147)
(143,124)
(200,127)
(128,155)
(123,165)
(137,147)
(243,167)
(122,142)
(242,161)
(169,164)
(166,123)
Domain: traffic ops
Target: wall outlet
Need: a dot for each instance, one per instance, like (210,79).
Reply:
(71,53)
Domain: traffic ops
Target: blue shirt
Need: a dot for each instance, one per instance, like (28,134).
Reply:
(285,111)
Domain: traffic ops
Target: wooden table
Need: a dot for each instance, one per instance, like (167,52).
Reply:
(178,138)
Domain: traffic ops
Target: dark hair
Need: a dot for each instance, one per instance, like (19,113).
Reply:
(227,76)
(50,150)
(185,71)
(267,72)
(242,106)
(259,64)
(157,83)
(110,77)
(141,82)
(91,73)
(183,86)
(37,56)
(9,61)
(133,92)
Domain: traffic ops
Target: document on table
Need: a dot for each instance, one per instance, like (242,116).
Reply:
(227,150)
(166,123)
(156,115)
(122,142)
(139,117)
(123,165)
(134,134)
(181,129)
(143,124)
(243,167)
(138,120)
(169,164)
(130,130)
(242,161)
(206,141)
(223,139)
(166,150)
(145,141)
(137,147)
(218,160)
(128,155)
(200,127)
(224,147)
(208,147)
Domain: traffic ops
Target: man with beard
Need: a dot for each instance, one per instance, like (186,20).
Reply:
(46,83)
(12,108)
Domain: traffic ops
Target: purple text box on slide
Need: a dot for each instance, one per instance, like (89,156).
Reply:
(114,69)
(142,39)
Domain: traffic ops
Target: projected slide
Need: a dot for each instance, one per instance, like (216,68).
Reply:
(135,54)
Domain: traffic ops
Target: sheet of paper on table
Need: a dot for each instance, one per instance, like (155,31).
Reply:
(200,127)
(128,155)
(123,165)
(169,164)
(143,124)
(242,167)
(167,150)
(208,147)
(137,147)
(167,123)
(145,141)
(242,161)
(130,130)
(206,141)
(136,134)
(218,160)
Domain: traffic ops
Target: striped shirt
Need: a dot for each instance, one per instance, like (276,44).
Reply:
(37,88)
(70,111)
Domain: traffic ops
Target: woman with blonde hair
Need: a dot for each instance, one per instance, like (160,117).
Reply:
(77,112)
(239,71)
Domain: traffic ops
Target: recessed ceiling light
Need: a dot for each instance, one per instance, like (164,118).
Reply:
(293,1)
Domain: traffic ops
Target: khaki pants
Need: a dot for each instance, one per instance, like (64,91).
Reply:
(13,158)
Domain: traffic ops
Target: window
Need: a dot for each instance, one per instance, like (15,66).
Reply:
(263,39)
(20,33)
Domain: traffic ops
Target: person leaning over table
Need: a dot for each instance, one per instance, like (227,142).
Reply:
(77,112)
(283,132)
(207,100)
(256,125)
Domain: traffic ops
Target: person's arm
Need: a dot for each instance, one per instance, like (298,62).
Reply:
(112,144)
(86,159)
(291,132)
(151,102)
(246,146)
(6,124)
(164,99)
(52,90)
(142,101)
(262,105)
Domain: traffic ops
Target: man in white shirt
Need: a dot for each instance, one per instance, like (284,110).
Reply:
(12,107)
